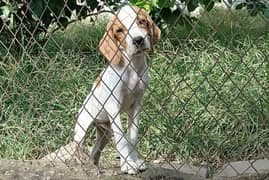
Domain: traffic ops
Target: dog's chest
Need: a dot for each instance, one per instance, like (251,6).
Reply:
(133,87)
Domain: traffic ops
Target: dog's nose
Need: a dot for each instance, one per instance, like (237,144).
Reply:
(138,41)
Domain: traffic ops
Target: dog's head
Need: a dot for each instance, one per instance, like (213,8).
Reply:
(130,32)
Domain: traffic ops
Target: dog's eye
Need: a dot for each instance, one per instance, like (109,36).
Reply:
(142,21)
(119,30)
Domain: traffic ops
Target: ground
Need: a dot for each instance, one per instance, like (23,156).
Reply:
(35,170)
(45,170)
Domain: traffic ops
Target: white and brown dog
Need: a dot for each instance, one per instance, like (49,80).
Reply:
(120,87)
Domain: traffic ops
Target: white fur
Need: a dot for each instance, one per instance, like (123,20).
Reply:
(127,16)
(121,90)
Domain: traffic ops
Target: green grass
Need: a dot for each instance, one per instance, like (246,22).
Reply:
(41,92)
(207,101)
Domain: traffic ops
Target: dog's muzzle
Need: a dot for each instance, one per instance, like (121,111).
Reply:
(139,41)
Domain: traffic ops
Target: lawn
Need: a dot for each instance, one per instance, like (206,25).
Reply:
(207,101)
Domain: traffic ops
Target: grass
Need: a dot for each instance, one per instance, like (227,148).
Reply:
(207,100)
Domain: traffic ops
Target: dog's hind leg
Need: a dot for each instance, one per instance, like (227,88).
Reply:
(103,136)
(83,122)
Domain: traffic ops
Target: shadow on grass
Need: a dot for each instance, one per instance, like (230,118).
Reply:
(228,28)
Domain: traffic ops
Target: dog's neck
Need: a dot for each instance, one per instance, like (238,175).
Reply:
(137,62)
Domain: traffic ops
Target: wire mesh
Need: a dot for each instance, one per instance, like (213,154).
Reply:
(206,104)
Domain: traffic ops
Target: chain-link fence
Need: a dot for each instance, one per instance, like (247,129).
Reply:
(199,102)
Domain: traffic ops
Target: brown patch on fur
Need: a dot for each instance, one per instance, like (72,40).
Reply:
(102,124)
(112,41)
(98,81)
(143,20)
(119,32)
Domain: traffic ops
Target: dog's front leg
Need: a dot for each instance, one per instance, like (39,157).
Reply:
(134,113)
(133,126)
(127,161)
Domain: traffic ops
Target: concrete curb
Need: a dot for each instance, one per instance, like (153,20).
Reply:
(244,169)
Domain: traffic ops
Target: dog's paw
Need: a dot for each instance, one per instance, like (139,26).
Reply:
(141,164)
(129,167)
(133,167)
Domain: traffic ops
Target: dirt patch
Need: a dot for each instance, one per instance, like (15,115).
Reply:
(14,169)
(45,170)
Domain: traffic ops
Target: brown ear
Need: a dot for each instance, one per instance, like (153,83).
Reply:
(108,45)
(156,36)
(155,30)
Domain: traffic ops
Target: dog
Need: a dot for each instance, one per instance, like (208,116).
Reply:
(130,34)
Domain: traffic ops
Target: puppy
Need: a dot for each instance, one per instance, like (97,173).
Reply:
(120,87)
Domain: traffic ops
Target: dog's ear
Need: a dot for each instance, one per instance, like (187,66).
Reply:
(108,44)
(156,33)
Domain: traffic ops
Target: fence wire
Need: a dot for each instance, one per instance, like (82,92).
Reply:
(205,106)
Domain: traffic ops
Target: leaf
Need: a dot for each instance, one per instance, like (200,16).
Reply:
(63,21)
(37,7)
(71,4)
(154,3)
(166,13)
(67,12)
(147,7)
(93,4)
(5,11)
(165,3)
(255,7)
(47,18)
(209,5)
(133,1)
(82,12)
(252,11)
(192,4)
(56,7)
(266,12)
(240,6)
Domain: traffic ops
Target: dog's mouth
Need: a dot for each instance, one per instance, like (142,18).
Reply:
(141,50)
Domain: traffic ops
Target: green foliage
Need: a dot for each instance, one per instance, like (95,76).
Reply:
(41,13)
(28,21)
(254,7)
(42,91)
(207,99)
(170,12)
